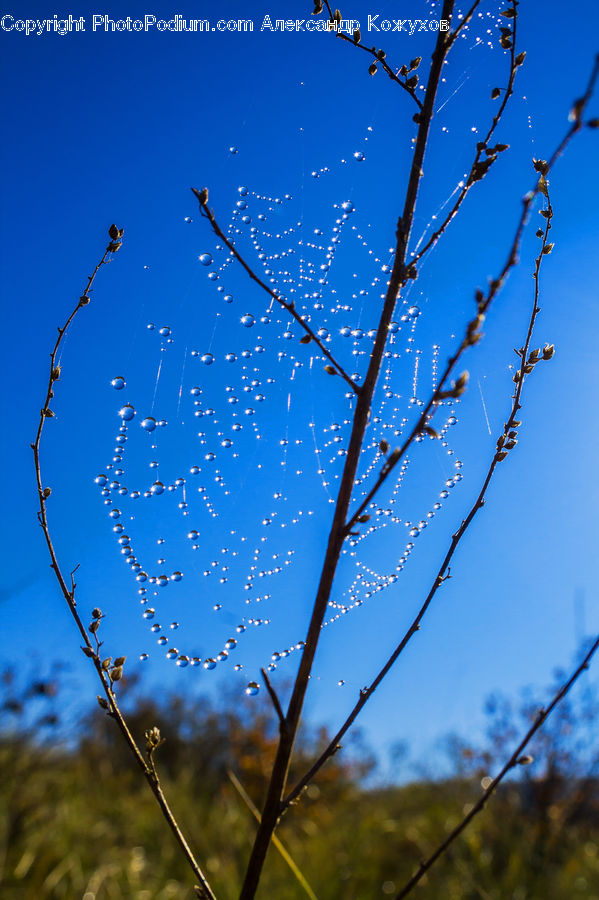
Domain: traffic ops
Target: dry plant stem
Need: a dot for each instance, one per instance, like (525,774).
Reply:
(380,61)
(464,21)
(92,650)
(209,214)
(443,573)
(512,762)
(509,90)
(338,532)
(484,303)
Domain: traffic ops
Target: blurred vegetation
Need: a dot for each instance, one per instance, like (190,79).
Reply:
(77,821)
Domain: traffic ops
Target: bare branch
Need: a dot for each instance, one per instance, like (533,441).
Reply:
(286,304)
(472,332)
(337,534)
(273,696)
(106,677)
(514,760)
(506,442)
(481,166)
(379,56)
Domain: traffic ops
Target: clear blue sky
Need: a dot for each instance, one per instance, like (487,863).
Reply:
(101,127)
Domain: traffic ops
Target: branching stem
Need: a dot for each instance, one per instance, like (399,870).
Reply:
(92,650)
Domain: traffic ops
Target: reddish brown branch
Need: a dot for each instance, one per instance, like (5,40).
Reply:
(337,534)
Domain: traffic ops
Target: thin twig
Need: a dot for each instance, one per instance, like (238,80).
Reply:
(464,21)
(481,146)
(514,760)
(286,304)
(506,442)
(472,331)
(380,59)
(273,696)
(92,651)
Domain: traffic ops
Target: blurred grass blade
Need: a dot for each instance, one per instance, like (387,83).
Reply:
(277,843)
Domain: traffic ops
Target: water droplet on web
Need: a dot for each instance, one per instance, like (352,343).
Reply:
(359,155)
(207,359)
(188,219)
(127,412)
(183,661)
(205,259)
(210,663)
(176,576)
(252,688)
(101,480)
(149,613)
(248,320)
(347,206)
(157,488)
(413,312)
(144,656)
(233,151)
(164,331)
(118,383)
(149,423)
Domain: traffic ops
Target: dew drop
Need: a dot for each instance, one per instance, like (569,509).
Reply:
(149,613)
(183,661)
(252,688)
(205,259)
(359,155)
(149,423)
(126,412)
(347,206)
(210,663)
(233,151)
(118,383)
(248,320)
(157,488)
(101,480)
(164,331)
(143,657)
(207,359)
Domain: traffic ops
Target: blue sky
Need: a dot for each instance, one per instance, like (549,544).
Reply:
(116,127)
